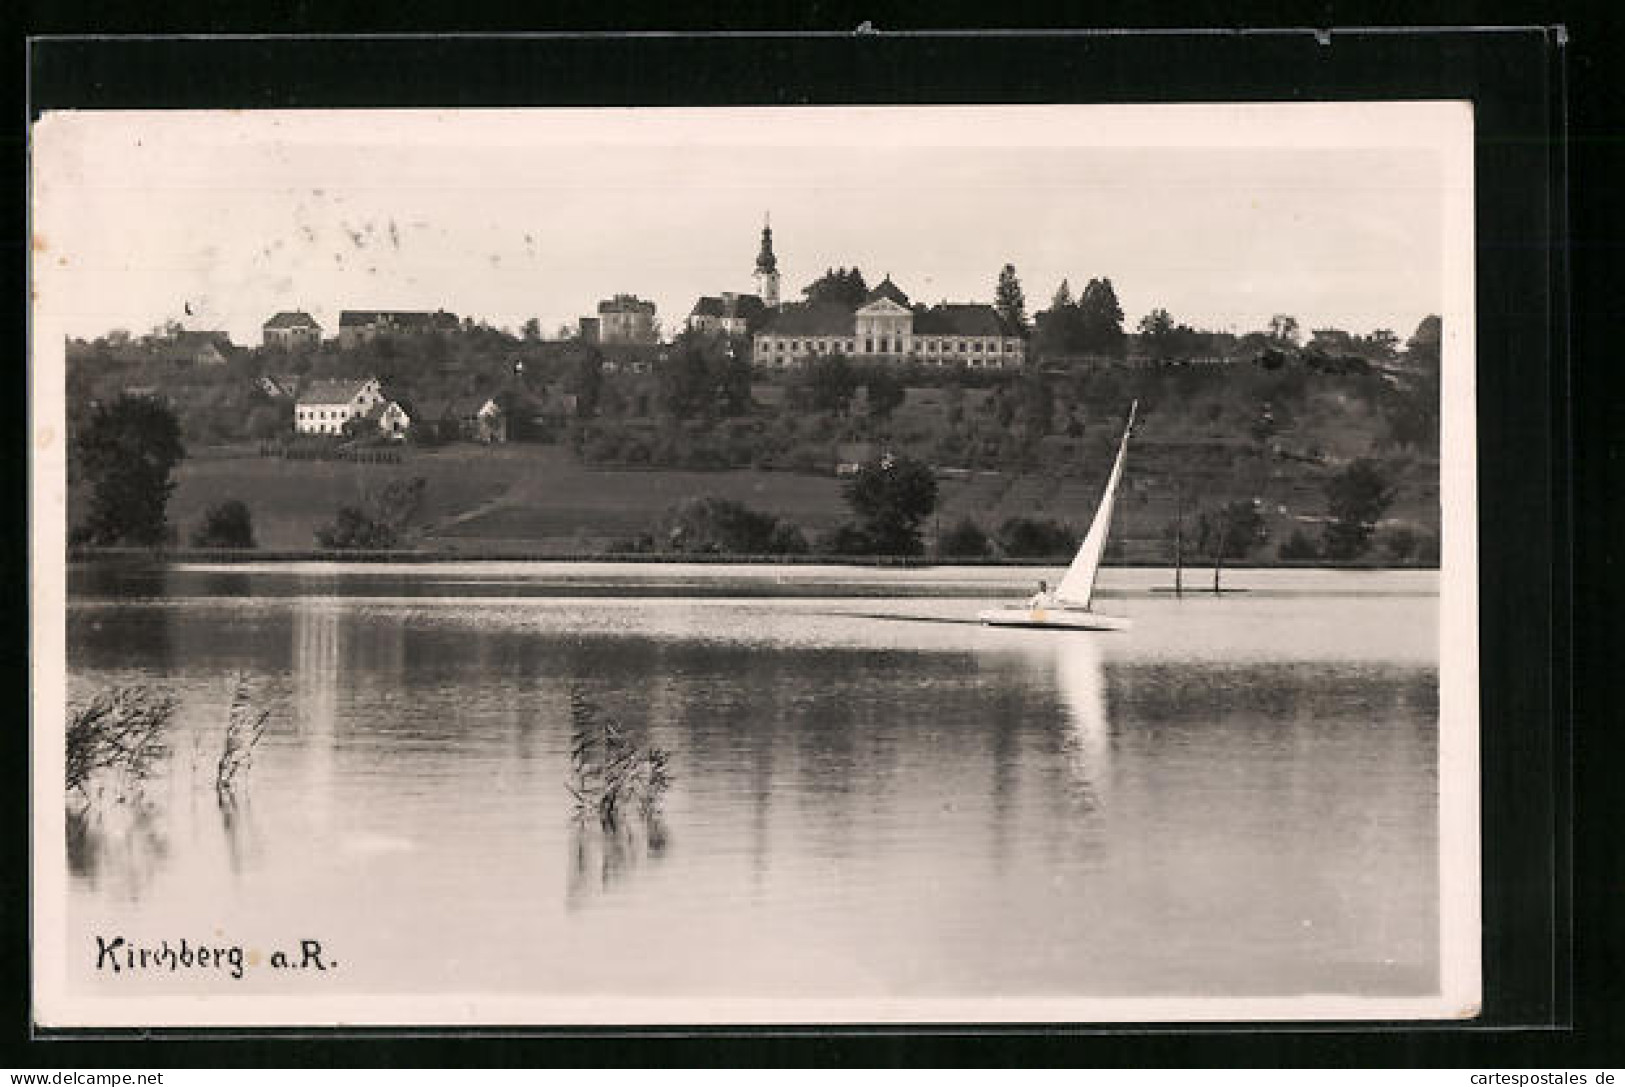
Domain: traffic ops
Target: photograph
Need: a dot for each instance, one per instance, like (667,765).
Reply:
(843,565)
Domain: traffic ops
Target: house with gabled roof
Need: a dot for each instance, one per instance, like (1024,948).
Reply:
(728,313)
(290,330)
(326,404)
(200,349)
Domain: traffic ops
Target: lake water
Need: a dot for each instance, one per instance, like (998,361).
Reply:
(874,798)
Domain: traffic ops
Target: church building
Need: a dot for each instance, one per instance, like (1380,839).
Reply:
(888,328)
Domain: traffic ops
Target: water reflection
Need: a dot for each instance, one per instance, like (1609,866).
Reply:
(243,844)
(603,856)
(1080,680)
(919,806)
(117,848)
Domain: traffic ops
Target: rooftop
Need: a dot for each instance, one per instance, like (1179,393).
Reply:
(292,319)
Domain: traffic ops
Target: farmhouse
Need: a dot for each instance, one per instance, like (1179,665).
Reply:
(326,405)
(290,330)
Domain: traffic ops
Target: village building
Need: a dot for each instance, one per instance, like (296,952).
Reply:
(626,318)
(393,417)
(888,328)
(280,386)
(357,327)
(291,330)
(327,404)
(199,349)
(767,270)
(728,313)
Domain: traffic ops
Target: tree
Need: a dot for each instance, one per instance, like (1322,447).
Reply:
(1232,532)
(1356,498)
(532,330)
(126,452)
(685,382)
(586,381)
(839,285)
(886,393)
(1010,302)
(1060,328)
(1284,330)
(831,383)
(704,377)
(891,497)
(225,524)
(1156,324)
(1422,350)
(1101,319)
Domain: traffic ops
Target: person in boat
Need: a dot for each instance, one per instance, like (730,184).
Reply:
(1043,598)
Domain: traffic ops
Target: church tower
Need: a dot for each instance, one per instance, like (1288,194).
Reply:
(767,269)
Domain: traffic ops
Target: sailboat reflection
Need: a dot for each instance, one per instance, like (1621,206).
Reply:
(1080,678)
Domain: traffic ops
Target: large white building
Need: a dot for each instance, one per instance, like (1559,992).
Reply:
(326,405)
(887,328)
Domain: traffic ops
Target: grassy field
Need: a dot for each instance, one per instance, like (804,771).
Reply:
(521,498)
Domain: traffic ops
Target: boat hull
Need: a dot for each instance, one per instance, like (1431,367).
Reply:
(1052,619)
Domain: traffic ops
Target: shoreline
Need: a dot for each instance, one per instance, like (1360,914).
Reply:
(99,556)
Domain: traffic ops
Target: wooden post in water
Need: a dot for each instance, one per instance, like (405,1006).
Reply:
(1179,539)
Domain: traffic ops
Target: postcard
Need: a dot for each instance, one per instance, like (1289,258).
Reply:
(829,565)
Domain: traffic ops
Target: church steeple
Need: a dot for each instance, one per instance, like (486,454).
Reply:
(767,268)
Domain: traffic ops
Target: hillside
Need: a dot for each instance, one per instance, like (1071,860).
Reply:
(1033,443)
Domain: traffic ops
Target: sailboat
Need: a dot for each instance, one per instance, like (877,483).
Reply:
(1068,608)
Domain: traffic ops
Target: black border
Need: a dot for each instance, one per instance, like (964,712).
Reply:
(1515,78)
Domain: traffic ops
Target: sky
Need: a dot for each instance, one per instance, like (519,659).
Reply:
(1223,215)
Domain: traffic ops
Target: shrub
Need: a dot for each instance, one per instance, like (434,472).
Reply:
(352,529)
(1299,547)
(1401,543)
(722,526)
(964,540)
(227,524)
(846,539)
(1029,538)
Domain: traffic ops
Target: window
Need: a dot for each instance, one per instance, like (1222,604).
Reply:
(869,346)
(977,347)
(961,347)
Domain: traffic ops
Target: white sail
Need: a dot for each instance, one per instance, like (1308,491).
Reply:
(1078,586)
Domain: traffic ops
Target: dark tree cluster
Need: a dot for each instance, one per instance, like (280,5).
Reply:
(125,453)
(1092,324)
(842,286)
